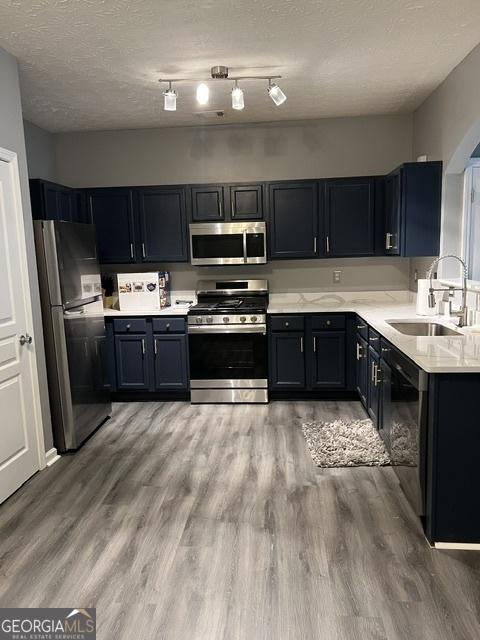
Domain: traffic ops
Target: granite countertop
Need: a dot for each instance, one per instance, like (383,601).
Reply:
(436,354)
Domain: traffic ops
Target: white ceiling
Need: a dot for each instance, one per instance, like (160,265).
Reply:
(94,64)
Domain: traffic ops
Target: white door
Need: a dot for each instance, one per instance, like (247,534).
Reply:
(19,415)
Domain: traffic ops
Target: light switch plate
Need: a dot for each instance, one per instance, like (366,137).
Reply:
(337,275)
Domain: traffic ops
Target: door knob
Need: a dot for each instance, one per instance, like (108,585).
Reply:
(25,339)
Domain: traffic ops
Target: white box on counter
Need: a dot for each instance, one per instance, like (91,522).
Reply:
(147,291)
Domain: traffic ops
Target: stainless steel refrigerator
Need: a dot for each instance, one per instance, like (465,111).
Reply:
(74,329)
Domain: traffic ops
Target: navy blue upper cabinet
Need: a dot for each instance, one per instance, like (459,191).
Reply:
(413,194)
(112,213)
(246,201)
(52,201)
(163,224)
(349,216)
(293,219)
(207,203)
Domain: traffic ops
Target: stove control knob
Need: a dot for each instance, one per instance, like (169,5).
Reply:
(242,318)
(254,318)
(209,319)
(199,319)
(226,319)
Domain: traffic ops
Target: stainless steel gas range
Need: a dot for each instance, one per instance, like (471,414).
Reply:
(227,335)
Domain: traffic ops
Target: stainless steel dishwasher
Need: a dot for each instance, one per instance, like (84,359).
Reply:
(404,407)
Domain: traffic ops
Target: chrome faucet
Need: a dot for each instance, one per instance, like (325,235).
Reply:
(462,313)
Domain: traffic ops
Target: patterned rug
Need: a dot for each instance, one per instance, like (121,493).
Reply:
(342,443)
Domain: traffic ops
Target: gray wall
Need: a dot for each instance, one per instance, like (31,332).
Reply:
(40,145)
(12,138)
(330,147)
(311,149)
(447,128)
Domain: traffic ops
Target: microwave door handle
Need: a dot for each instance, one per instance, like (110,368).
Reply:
(245,258)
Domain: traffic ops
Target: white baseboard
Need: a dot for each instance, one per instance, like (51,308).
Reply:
(51,456)
(460,546)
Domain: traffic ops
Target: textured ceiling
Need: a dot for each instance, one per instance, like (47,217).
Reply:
(94,64)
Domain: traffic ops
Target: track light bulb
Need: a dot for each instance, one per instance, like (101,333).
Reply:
(170,99)
(203,94)
(276,94)
(238,102)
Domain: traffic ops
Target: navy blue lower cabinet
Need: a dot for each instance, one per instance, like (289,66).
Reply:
(287,360)
(362,368)
(171,366)
(132,359)
(373,402)
(328,368)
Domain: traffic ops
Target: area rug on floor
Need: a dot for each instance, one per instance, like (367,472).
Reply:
(345,443)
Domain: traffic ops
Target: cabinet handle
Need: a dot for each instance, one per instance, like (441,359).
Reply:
(372,373)
(143,250)
(314,344)
(155,346)
(287,324)
(373,339)
(301,345)
(232,207)
(220,208)
(131,249)
(359,351)
(143,346)
(315,244)
(327,240)
(361,327)
(377,379)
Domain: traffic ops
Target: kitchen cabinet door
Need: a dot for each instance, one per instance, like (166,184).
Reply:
(373,385)
(246,202)
(112,213)
(392,213)
(349,217)
(132,362)
(328,359)
(171,368)
(293,220)
(362,368)
(287,360)
(163,224)
(207,202)
(51,201)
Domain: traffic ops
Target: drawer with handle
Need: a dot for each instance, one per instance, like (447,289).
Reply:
(287,323)
(361,327)
(374,340)
(130,325)
(325,321)
(168,325)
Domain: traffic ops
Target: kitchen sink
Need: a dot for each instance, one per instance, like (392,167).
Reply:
(423,329)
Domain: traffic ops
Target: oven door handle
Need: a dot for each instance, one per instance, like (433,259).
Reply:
(254,328)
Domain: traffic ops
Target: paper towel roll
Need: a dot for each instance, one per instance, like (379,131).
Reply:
(422,298)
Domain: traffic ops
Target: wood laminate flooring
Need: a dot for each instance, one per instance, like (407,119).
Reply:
(211,522)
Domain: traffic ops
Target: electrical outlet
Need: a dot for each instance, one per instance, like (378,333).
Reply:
(337,276)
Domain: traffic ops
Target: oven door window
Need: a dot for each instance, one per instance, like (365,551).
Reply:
(228,356)
(228,245)
(255,245)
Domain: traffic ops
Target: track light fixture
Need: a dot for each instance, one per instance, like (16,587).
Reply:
(237,98)
(170,99)
(203,94)
(220,72)
(275,93)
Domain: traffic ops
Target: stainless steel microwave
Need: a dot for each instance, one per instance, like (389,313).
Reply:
(228,243)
